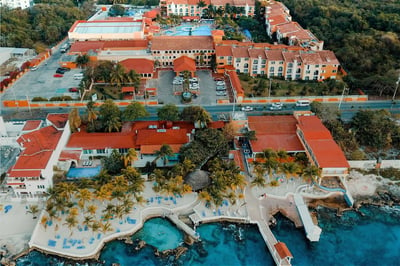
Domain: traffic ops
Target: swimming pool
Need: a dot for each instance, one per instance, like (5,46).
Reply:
(189,29)
(83,172)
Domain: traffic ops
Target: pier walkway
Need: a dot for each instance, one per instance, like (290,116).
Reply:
(255,216)
(313,231)
(181,225)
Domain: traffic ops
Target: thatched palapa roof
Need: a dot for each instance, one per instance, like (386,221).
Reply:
(197,179)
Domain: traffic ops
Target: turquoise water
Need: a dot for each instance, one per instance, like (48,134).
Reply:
(372,239)
(83,172)
(184,30)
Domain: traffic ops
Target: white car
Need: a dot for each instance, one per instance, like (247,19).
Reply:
(276,106)
(247,108)
(221,93)
(193,80)
(220,83)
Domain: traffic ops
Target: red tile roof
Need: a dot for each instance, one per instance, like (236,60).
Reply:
(312,128)
(218,33)
(161,136)
(235,82)
(92,141)
(151,149)
(223,50)
(58,120)
(38,147)
(326,152)
(257,53)
(31,125)
(283,250)
(288,27)
(174,43)
(184,63)
(274,55)
(70,155)
(311,58)
(328,57)
(275,132)
(216,124)
(238,158)
(277,19)
(133,44)
(24,173)
(240,52)
(152,13)
(141,66)
(127,89)
(85,47)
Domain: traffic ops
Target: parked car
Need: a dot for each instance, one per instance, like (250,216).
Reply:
(194,86)
(65,68)
(34,68)
(58,75)
(221,93)
(221,88)
(247,108)
(177,82)
(193,80)
(60,71)
(276,106)
(219,83)
(74,89)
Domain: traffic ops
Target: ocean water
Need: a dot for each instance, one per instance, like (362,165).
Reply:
(350,240)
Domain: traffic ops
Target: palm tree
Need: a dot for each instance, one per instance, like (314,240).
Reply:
(117,75)
(92,209)
(204,195)
(106,227)
(44,221)
(74,120)
(82,60)
(113,123)
(133,78)
(92,113)
(311,172)
(95,226)
(87,221)
(66,189)
(33,209)
(129,157)
(290,168)
(163,153)
(84,195)
(71,222)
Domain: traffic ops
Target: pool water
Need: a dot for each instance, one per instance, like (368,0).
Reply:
(83,172)
(186,29)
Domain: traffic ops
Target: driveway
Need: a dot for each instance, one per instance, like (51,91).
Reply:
(166,89)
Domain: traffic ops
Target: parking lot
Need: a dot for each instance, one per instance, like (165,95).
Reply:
(206,92)
(42,83)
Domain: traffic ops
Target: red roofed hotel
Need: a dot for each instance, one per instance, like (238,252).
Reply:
(299,133)
(33,172)
(320,147)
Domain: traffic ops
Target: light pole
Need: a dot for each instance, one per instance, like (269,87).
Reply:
(270,86)
(395,90)
(341,98)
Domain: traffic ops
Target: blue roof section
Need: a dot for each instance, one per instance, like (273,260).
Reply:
(108,27)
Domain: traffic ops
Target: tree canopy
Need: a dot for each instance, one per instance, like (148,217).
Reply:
(363,34)
(134,111)
(168,112)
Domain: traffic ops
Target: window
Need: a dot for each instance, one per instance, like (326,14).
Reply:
(271,69)
(124,150)
(273,62)
(308,72)
(101,151)
(254,72)
(280,69)
(221,57)
(246,65)
(237,60)
(281,62)
(255,61)
(290,65)
(87,151)
(263,61)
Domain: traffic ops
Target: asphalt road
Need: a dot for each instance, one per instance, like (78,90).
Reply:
(347,110)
